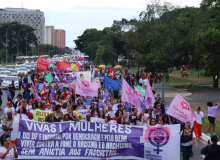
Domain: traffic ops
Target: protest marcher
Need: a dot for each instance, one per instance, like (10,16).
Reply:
(95,111)
(211,116)
(58,114)
(49,118)
(27,93)
(166,120)
(75,110)
(64,107)
(80,104)
(22,113)
(49,107)
(153,122)
(9,106)
(107,119)
(197,127)
(187,135)
(121,120)
(73,115)
(167,77)
(1,93)
(7,123)
(40,105)
(102,114)
(8,149)
(158,112)
(144,121)
(66,118)
(211,149)
(133,116)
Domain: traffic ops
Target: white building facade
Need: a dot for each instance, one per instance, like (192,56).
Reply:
(33,18)
(49,35)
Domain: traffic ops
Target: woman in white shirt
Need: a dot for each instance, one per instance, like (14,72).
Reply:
(8,151)
(22,113)
(211,116)
(197,127)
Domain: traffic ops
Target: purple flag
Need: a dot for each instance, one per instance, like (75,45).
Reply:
(129,96)
(86,88)
(34,91)
(8,94)
(93,72)
(138,93)
(180,109)
(149,96)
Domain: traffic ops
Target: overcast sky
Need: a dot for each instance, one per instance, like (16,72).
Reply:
(74,16)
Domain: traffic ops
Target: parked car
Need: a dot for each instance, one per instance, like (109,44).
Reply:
(9,67)
(8,80)
(17,67)
(13,72)
(4,74)
(29,68)
(2,69)
(22,72)
(1,66)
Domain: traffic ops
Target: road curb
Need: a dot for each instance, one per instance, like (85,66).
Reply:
(206,138)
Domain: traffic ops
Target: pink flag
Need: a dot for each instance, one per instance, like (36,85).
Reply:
(180,109)
(86,88)
(129,96)
(138,93)
(149,96)
(34,91)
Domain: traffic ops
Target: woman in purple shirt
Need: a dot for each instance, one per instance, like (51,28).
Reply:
(95,111)
(158,113)
(80,105)
(211,116)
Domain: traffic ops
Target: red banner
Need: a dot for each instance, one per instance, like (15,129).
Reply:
(112,73)
(42,63)
(64,65)
(78,66)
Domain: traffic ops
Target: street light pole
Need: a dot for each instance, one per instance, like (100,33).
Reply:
(6,42)
(17,41)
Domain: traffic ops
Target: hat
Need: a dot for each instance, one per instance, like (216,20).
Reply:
(30,115)
(9,111)
(48,104)
(23,101)
(31,100)
(9,102)
(108,117)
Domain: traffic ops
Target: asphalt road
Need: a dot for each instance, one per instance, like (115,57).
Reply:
(196,151)
(5,100)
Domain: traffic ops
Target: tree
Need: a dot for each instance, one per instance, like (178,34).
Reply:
(99,53)
(209,42)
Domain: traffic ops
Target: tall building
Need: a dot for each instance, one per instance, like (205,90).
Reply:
(59,38)
(33,18)
(49,35)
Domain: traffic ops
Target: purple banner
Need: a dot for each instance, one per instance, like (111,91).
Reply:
(127,107)
(61,88)
(79,139)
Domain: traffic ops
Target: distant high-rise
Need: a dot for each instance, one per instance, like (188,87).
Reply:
(33,18)
(49,35)
(59,38)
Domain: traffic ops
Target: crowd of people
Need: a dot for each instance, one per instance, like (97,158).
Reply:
(66,106)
